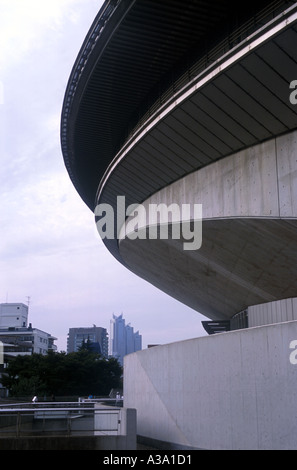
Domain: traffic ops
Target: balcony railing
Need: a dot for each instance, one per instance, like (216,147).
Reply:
(68,419)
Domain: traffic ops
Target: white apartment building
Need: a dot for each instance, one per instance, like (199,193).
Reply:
(17,337)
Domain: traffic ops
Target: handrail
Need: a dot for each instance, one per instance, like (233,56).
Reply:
(29,405)
(29,419)
(85,401)
(45,409)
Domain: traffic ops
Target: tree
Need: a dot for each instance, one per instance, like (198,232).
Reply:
(80,373)
(86,345)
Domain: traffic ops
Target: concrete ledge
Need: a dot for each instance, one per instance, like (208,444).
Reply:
(155,444)
(65,443)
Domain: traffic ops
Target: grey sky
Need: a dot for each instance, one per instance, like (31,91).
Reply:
(50,249)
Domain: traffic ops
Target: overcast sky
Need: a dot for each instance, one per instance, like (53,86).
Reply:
(50,249)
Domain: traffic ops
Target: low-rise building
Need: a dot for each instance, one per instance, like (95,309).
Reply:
(96,336)
(19,337)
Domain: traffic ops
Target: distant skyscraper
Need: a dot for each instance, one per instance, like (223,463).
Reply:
(130,347)
(123,340)
(137,341)
(96,335)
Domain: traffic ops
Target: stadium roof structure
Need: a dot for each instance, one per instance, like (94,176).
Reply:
(161,89)
(136,53)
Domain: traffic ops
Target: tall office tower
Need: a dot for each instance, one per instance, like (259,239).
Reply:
(137,341)
(123,340)
(129,339)
(118,337)
(96,335)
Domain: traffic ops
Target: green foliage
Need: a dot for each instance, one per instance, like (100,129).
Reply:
(80,373)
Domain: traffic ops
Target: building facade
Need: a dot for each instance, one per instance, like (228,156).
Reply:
(13,315)
(19,337)
(197,107)
(123,339)
(97,337)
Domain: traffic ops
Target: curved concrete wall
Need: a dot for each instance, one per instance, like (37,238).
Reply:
(248,254)
(233,391)
(272,312)
(257,182)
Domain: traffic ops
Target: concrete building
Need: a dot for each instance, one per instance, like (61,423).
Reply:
(96,335)
(13,315)
(123,340)
(17,336)
(189,104)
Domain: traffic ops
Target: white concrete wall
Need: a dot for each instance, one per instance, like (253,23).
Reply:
(116,422)
(235,390)
(13,315)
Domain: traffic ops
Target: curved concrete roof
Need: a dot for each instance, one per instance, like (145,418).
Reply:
(136,53)
(163,89)
(248,253)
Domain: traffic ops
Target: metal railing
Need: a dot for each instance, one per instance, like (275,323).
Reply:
(95,32)
(59,418)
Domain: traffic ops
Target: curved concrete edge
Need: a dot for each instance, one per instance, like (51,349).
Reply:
(241,262)
(251,43)
(248,253)
(256,182)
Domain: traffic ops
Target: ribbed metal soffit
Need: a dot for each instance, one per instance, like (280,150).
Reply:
(147,50)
